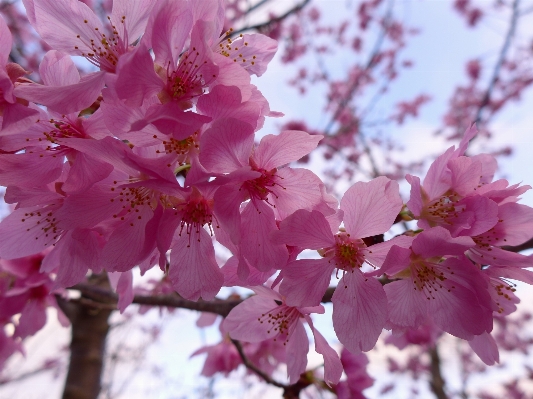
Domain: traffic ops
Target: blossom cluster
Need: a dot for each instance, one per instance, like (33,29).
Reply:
(152,158)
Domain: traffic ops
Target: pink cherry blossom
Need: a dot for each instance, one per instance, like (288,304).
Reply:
(72,27)
(437,282)
(266,316)
(357,378)
(359,302)
(15,116)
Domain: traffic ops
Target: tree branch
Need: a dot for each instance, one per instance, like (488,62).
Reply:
(249,365)
(272,21)
(503,52)
(289,391)
(437,382)
(519,248)
(369,64)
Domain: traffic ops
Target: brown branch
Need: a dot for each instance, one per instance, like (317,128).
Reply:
(275,20)
(519,248)
(249,365)
(437,382)
(289,391)
(106,299)
(23,376)
(217,306)
(503,52)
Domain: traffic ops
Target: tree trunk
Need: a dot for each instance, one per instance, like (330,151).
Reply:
(87,348)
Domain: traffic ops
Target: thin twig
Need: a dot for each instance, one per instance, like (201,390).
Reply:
(256,6)
(23,376)
(503,52)
(369,64)
(249,365)
(271,21)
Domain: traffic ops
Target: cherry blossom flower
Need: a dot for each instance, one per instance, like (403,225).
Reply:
(266,316)
(359,302)
(15,115)
(437,282)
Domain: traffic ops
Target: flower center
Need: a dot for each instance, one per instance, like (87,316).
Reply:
(181,148)
(442,210)
(43,225)
(280,320)
(196,213)
(62,129)
(190,79)
(106,49)
(427,278)
(347,253)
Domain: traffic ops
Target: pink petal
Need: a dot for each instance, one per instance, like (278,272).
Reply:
(58,69)
(30,12)
(289,146)
(437,241)
(226,102)
(6,42)
(21,235)
(231,74)
(438,179)
(465,174)
(486,348)
(305,281)
(17,118)
(296,189)
(86,210)
(479,215)
(64,99)
(458,312)
(125,290)
(79,251)
(407,308)
(516,226)
(193,269)
(359,311)
(242,324)
(256,246)
(257,49)
(126,246)
(210,10)
(489,165)
(137,66)
(167,31)
(469,134)
(499,257)
(297,348)
(332,364)
(377,253)
(29,169)
(415,203)
(304,229)
(371,208)
(226,145)
(84,172)
(398,259)
(32,318)
(60,22)
(510,272)
(136,13)
(227,204)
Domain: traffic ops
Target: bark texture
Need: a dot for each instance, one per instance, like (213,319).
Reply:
(87,348)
